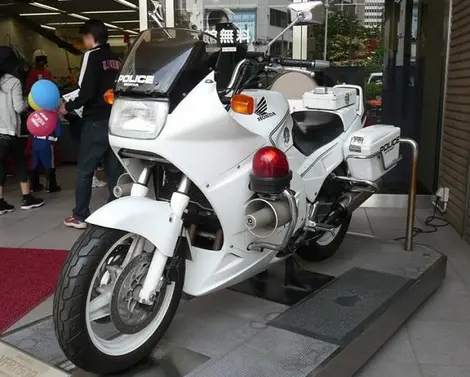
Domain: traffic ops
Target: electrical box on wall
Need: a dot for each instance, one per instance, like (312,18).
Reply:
(441,198)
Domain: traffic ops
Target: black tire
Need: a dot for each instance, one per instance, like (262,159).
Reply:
(314,252)
(70,305)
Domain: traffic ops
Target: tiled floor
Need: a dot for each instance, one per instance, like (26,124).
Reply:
(434,343)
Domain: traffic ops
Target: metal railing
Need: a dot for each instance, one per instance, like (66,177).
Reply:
(410,217)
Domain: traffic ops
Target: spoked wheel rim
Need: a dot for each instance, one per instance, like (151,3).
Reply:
(104,334)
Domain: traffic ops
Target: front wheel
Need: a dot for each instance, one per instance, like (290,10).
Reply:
(99,324)
(326,245)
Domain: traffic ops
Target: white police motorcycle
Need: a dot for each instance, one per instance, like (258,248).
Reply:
(222,181)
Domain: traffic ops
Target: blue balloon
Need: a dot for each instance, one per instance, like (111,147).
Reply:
(45,94)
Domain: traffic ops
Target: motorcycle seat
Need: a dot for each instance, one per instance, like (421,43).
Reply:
(314,129)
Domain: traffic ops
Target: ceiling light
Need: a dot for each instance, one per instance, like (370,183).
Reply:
(126,4)
(64,23)
(40,14)
(125,22)
(48,27)
(79,16)
(44,6)
(111,26)
(108,11)
(131,31)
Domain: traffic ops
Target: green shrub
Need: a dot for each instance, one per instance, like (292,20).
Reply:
(373,90)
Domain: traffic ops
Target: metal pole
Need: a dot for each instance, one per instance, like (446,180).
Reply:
(325,42)
(170,13)
(143,15)
(410,218)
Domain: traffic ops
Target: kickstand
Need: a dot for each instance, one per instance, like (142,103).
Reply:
(291,280)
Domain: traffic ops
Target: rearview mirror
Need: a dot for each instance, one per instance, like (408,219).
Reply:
(311,12)
(157,13)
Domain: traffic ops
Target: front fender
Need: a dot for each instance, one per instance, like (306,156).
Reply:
(146,217)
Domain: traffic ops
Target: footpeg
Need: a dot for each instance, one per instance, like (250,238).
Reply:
(325,228)
(319,227)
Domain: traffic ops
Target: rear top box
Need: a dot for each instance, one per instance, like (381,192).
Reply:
(329,98)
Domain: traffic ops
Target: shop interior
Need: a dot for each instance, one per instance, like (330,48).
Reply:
(52,26)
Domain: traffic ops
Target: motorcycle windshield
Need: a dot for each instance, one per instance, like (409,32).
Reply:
(167,62)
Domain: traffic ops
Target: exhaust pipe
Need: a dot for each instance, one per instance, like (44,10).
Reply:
(263,217)
(353,199)
(123,186)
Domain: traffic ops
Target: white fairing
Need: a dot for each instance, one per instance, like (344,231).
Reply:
(214,147)
(215,152)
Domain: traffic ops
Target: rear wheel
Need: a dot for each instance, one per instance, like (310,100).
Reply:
(99,323)
(326,245)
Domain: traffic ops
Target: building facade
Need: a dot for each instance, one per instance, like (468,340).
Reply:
(354,6)
(263,20)
(373,13)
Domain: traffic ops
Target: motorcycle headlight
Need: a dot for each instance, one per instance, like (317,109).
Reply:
(137,119)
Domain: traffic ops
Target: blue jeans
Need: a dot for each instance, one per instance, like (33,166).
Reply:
(94,147)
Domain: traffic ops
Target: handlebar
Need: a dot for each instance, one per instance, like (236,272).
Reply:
(294,63)
(309,64)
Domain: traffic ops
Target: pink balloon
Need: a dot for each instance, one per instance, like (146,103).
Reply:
(42,122)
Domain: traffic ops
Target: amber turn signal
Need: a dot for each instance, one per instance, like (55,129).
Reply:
(243,104)
(109,97)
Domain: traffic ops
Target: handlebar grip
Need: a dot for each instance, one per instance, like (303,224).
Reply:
(309,64)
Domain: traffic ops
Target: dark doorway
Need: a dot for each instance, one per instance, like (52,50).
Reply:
(415,37)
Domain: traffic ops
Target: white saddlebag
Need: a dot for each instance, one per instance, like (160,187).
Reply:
(372,151)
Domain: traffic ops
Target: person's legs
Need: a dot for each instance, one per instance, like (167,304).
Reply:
(14,148)
(47,160)
(34,177)
(91,151)
(4,206)
(29,201)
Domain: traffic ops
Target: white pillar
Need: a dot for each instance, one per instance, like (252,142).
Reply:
(170,13)
(299,40)
(143,15)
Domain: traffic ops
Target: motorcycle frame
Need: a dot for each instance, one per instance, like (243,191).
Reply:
(220,170)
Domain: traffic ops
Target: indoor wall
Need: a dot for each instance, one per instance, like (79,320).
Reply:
(26,41)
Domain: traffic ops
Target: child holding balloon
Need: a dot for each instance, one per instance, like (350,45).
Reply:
(45,129)
(12,104)
(42,151)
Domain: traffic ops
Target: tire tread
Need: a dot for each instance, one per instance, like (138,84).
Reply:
(69,310)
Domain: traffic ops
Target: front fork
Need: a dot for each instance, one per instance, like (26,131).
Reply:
(178,203)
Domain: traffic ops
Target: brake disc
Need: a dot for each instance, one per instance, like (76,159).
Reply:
(127,314)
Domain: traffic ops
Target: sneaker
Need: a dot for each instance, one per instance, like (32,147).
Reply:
(53,189)
(97,183)
(72,222)
(31,202)
(5,207)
